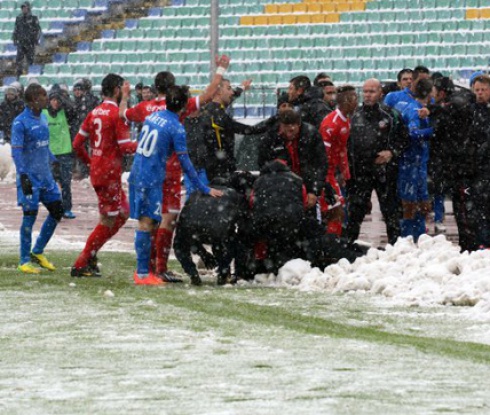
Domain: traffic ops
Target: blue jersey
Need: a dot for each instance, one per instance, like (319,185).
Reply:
(399,99)
(420,131)
(161,135)
(30,147)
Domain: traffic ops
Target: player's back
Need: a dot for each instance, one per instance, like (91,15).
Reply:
(105,131)
(157,141)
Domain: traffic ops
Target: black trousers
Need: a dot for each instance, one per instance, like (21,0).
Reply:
(359,190)
(24,52)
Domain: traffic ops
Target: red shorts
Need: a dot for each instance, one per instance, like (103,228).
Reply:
(172,188)
(324,206)
(112,199)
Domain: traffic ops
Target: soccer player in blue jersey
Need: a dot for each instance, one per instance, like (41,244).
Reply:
(161,135)
(35,183)
(412,169)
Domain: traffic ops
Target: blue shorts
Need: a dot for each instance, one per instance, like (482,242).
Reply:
(45,195)
(412,182)
(145,202)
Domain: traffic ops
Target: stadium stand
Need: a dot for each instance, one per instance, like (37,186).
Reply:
(271,40)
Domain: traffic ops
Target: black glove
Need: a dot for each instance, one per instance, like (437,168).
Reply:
(26,184)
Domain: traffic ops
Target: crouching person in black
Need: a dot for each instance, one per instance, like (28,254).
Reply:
(204,220)
(282,231)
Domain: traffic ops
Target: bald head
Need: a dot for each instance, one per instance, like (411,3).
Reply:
(372,92)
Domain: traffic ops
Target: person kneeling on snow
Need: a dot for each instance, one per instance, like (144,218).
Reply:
(282,231)
(213,221)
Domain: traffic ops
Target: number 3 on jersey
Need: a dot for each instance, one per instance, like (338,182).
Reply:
(147,142)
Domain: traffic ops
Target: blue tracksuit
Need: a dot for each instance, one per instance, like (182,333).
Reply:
(399,99)
(31,154)
(412,171)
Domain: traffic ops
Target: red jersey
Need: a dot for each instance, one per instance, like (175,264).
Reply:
(109,140)
(335,130)
(139,112)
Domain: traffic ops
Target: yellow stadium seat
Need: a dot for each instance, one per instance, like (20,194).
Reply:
(271,8)
(329,8)
(274,20)
(485,14)
(343,7)
(247,20)
(315,8)
(332,18)
(473,13)
(358,6)
(300,8)
(318,18)
(261,20)
(289,19)
(303,18)
(285,8)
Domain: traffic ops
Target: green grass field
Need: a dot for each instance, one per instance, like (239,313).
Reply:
(67,347)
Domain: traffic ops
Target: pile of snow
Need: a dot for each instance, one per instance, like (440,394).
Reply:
(7,168)
(429,273)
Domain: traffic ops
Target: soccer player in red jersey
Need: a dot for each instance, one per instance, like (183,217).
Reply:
(335,129)
(162,240)
(109,140)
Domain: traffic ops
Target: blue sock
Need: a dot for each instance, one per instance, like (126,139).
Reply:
(26,238)
(438,208)
(45,235)
(406,227)
(142,246)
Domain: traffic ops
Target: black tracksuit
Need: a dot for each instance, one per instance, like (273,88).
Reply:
(311,154)
(374,129)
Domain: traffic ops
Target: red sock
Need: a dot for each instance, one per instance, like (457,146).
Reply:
(99,236)
(260,250)
(334,227)
(153,255)
(120,221)
(163,244)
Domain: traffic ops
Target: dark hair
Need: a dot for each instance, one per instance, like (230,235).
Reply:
(323,84)
(418,70)
(301,82)
(403,71)
(163,81)
(445,84)
(345,88)
(422,88)
(110,83)
(32,91)
(177,97)
(289,117)
(321,75)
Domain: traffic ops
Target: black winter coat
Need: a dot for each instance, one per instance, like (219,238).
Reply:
(82,106)
(479,142)
(27,31)
(312,156)
(374,129)
(278,198)
(312,106)
(218,133)
(8,111)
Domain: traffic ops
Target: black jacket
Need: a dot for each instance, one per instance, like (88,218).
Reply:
(374,129)
(478,148)
(27,31)
(218,133)
(82,106)
(277,198)
(312,106)
(311,152)
(8,111)
(211,219)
